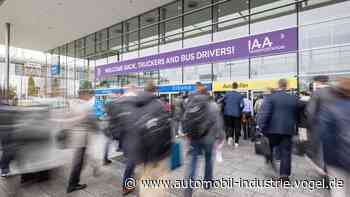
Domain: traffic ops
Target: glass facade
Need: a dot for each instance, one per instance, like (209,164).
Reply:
(324,40)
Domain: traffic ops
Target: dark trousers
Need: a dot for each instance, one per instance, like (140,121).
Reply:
(120,143)
(7,152)
(128,172)
(77,166)
(247,125)
(106,151)
(5,160)
(233,127)
(198,148)
(176,125)
(284,145)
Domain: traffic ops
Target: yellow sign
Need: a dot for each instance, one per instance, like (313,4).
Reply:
(260,85)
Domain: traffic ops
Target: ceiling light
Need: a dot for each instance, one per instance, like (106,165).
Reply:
(150,20)
(192,4)
(118,31)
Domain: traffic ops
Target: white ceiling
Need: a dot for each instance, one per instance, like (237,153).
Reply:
(45,24)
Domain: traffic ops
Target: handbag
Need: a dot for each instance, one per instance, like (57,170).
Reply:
(262,146)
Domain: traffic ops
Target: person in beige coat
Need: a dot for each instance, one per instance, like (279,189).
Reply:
(78,138)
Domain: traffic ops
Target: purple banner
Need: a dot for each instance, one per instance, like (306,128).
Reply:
(276,42)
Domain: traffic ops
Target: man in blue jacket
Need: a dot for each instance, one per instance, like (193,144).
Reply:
(277,120)
(233,106)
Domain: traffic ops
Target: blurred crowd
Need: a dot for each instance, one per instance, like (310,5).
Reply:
(149,130)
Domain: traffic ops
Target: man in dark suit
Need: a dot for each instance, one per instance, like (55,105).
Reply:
(233,106)
(277,119)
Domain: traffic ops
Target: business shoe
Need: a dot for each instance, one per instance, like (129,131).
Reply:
(4,173)
(76,188)
(107,162)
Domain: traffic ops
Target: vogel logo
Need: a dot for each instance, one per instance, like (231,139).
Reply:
(259,43)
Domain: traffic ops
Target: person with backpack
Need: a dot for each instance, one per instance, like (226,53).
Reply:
(203,125)
(117,127)
(233,106)
(145,126)
(333,127)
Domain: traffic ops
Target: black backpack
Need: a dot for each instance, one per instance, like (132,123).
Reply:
(116,112)
(146,128)
(196,121)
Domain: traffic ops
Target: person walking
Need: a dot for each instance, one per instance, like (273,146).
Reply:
(148,140)
(277,120)
(117,128)
(258,103)
(247,117)
(7,119)
(177,113)
(104,119)
(79,137)
(333,127)
(202,141)
(233,106)
(321,98)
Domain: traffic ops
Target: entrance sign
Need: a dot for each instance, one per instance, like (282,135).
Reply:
(276,42)
(262,85)
(181,88)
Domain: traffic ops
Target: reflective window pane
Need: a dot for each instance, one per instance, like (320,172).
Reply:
(80,48)
(71,49)
(274,20)
(149,36)
(197,73)
(231,70)
(149,18)
(101,41)
(171,30)
(274,66)
(90,44)
(131,25)
(198,22)
(149,76)
(115,37)
(170,76)
(131,41)
(262,5)
(232,10)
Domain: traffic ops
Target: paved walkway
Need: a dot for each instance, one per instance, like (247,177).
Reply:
(238,163)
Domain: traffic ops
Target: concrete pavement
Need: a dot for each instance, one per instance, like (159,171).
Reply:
(238,163)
